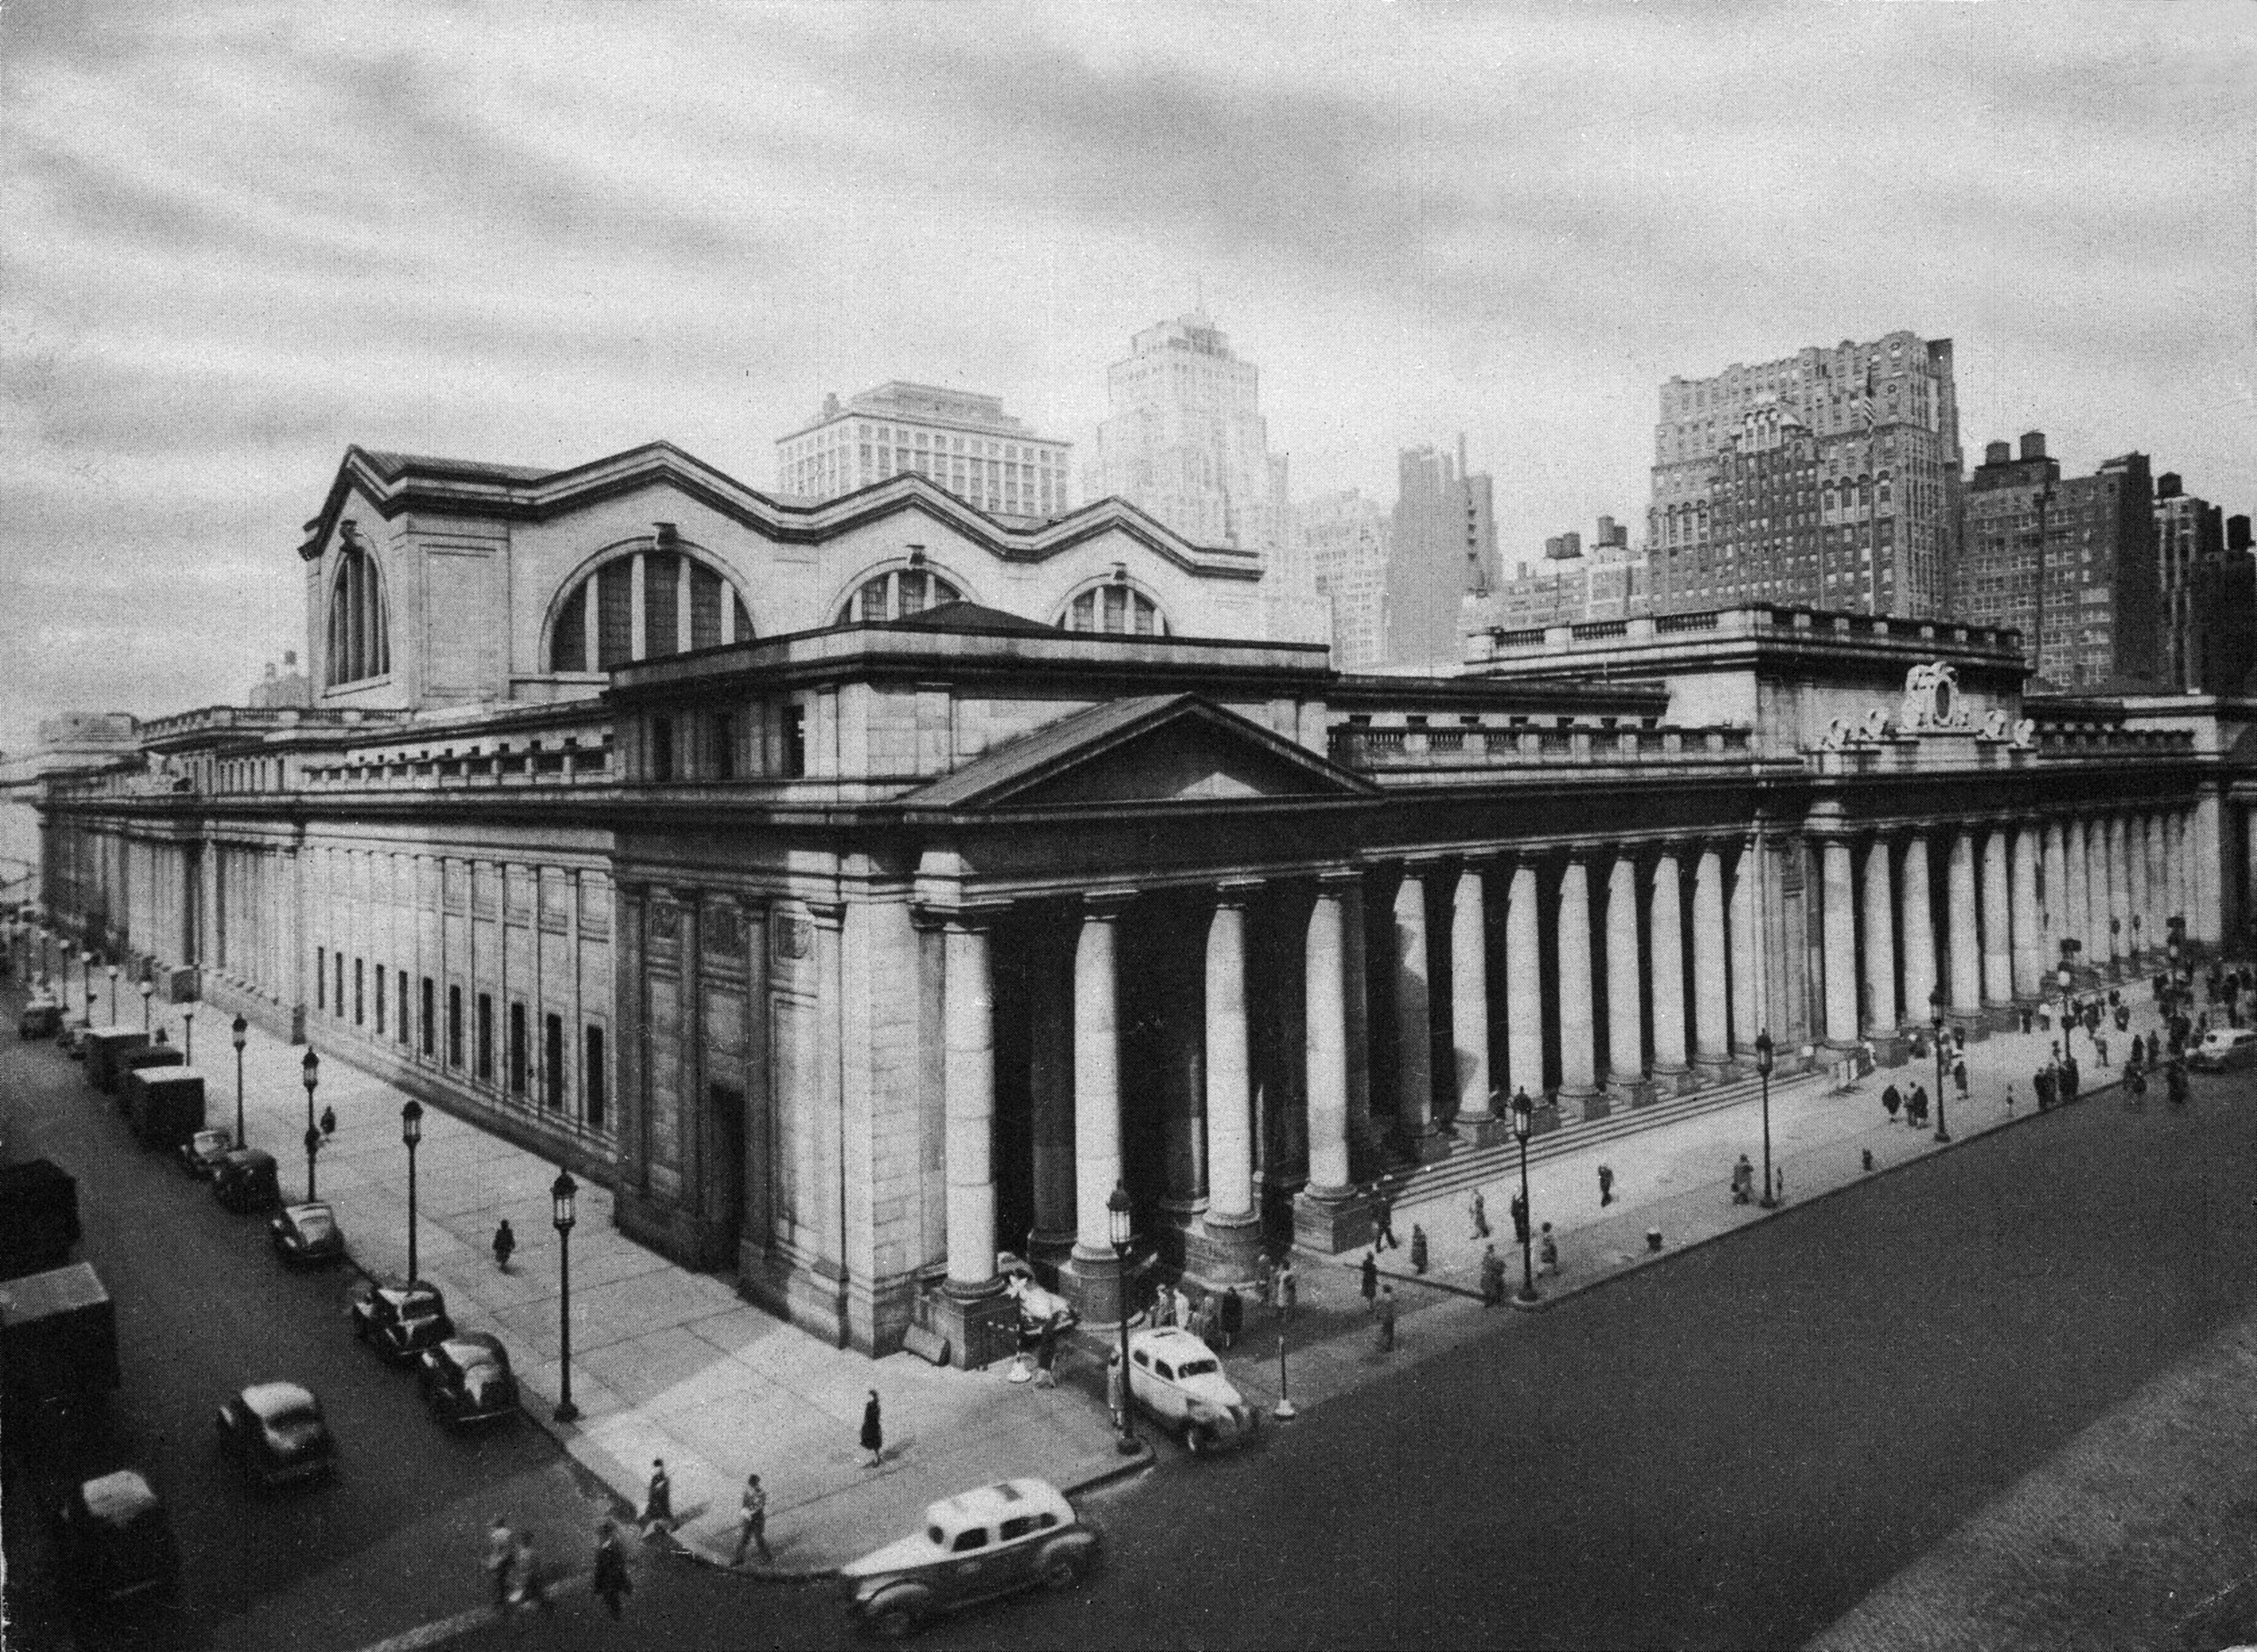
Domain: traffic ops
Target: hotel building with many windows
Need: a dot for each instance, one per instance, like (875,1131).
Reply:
(958,440)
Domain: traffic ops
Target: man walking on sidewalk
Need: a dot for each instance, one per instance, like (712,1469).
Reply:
(1370,1273)
(1477,1208)
(501,1550)
(753,1522)
(610,1580)
(1606,1185)
(1386,1312)
(1383,1218)
(658,1506)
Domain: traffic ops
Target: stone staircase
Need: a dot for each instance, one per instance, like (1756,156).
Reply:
(1467,1166)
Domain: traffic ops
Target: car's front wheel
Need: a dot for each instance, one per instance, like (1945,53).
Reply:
(897,1619)
(1062,1569)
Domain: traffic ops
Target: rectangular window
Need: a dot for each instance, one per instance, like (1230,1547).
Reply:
(401,975)
(484,1070)
(379,999)
(660,631)
(614,613)
(662,748)
(794,741)
(454,1026)
(338,1005)
(517,1050)
(360,990)
(552,1060)
(321,978)
(594,1082)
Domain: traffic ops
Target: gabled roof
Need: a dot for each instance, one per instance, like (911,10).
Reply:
(1117,752)
(394,482)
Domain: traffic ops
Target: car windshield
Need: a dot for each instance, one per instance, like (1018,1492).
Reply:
(420,1307)
(210,1141)
(316,1225)
(1196,1368)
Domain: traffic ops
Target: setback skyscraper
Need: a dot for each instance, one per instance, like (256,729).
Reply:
(1445,550)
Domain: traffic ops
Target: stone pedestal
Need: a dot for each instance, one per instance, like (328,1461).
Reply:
(1093,1284)
(1330,1220)
(1594,1106)
(1426,1147)
(1220,1253)
(980,1329)
(1888,1049)
(1632,1093)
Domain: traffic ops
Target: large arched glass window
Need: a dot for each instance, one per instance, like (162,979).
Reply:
(896,594)
(1117,607)
(359,646)
(685,605)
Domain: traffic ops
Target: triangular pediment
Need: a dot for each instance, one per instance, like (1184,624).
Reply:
(1159,748)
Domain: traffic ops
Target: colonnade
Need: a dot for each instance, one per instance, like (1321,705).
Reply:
(2014,890)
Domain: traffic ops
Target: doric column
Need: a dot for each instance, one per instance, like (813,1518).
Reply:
(1578,1055)
(2182,879)
(1966,955)
(1841,943)
(1882,1015)
(1327,1215)
(968,1082)
(1749,1014)
(2134,863)
(2096,893)
(1712,1033)
(1998,925)
(2052,900)
(1362,1135)
(1625,983)
(1523,987)
(2074,913)
(2028,942)
(1414,1047)
(1229,1112)
(1049,981)
(1470,993)
(2110,839)
(1665,936)
(1097,1099)
(1919,926)
(2205,856)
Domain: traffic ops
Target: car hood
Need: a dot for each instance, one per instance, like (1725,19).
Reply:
(1213,1389)
(895,1556)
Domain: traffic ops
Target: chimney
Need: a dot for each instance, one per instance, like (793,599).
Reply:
(2033,444)
(2236,533)
(1998,453)
(2167,486)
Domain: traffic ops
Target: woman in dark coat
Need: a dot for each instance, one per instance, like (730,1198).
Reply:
(873,1432)
(1370,1277)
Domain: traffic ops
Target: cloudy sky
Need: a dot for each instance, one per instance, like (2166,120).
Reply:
(235,238)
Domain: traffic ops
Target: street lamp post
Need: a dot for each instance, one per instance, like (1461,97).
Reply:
(311,1068)
(1524,1126)
(189,1033)
(241,1031)
(1283,1411)
(1770,1200)
(1935,1024)
(86,985)
(148,991)
(411,1133)
(562,1192)
(313,1147)
(113,995)
(1119,1216)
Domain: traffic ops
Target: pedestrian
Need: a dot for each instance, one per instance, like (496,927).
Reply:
(1046,1344)
(2026,1020)
(1547,1253)
(531,1590)
(1417,1248)
(1383,1218)
(2174,1081)
(1744,1181)
(2045,1018)
(1958,1039)
(1265,1279)
(1520,1218)
(1606,1185)
(1916,1111)
(1289,1287)
(1959,1076)
(1116,1392)
(1233,1315)
(610,1580)
(1210,1318)
(1370,1277)
(2123,1018)
(1477,1208)
(2136,1082)
(2069,1078)
(753,1522)
(501,1550)
(1868,1158)
(2100,1049)
(1385,1308)
(504,1243)
(1492,1277)
(2010,1101)
(873,1432)
(1891,1100)
(1778,1184)
(658,1504)
(1182,1316)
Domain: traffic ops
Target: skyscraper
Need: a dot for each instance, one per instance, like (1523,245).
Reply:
(2069,562)
(963,441)
(2205,615)
(1349,539)
(1828,478)
(1445,549)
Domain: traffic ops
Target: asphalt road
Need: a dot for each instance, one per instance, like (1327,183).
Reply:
(391,1541)
(1728,1450)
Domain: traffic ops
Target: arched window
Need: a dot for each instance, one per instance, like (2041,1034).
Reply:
(1117,607)
(896,594)
(685,605)
(359,646)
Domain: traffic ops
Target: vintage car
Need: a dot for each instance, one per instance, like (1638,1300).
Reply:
(113,1542)
(2224,1049)
(1175,1377)
(275,1432)
(42,1017)
(1017,1533)
(200,1153)
(402,1317)
(466,1379)
(245,1179)
(306,1234)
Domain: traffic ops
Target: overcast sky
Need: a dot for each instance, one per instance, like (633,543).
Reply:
(237,238)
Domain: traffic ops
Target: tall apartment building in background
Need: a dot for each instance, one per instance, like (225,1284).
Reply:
(1445,549)
(1349,539)
(960,440)
(1828,478)
(2207,589)
(2068,561)
(1572,584)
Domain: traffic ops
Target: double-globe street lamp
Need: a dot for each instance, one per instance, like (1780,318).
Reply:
(562,1193)
(86,985)
(1120,1219)
(411,1133)
(1524,1126)
(311,1068)
(1935,1025)
(1770,1200)
(242,1032)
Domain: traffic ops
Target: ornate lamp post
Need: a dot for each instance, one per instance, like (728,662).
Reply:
(311,1068)
(1935,1024)
(86,985)
(148,989)
(113,995)
(1770,1200)
(1285,1410)
(1119,1216)
(1524,1126)
(562,1193)
(411,1133)
(189,1033)
(242,1033)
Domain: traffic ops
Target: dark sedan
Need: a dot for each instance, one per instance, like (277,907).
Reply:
(306,1235)
(245,1179)
(200,1153)
(402,1317)
(113,1541)
(466,1379)
(276,1433)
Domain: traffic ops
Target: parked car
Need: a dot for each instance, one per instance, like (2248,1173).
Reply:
(467,1379)
(2225,1047)
(1013,1535)
(276,1433)
(113,1541)
(200,1153)
(1175,1377)
(244,1179)
(403,1317)
(306,1234)
(41,1018)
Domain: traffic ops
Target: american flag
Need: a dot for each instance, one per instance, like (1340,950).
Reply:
(1865,408)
